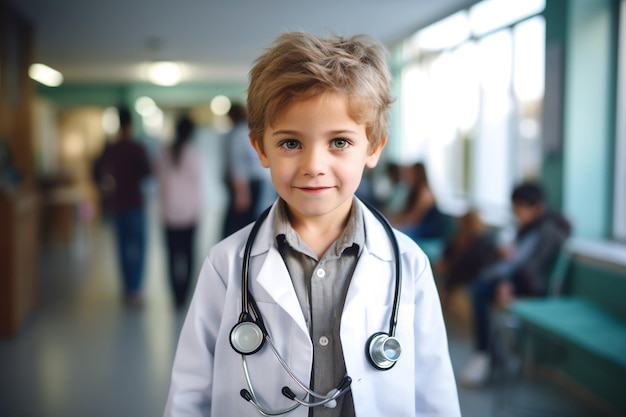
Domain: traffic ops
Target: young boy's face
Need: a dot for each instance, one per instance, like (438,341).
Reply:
(527,213)
(316,154)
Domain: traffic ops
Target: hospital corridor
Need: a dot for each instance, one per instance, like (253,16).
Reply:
(491,133)
(83,353)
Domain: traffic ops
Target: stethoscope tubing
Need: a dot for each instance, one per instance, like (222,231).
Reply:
(290,372)
(245,292)
(246,296)
(254,400)
(325,398)
(250,313)
(393,320)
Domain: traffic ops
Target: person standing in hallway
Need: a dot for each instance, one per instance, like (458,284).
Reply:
(178,174)
(247,181)
(125,166)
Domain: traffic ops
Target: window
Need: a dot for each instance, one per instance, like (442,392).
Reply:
(471,100)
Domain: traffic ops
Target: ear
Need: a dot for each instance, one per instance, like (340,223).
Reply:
(259,150)
(374,156)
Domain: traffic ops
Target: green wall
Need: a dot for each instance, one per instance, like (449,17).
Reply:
(555,15)
(588,121)
(183,95)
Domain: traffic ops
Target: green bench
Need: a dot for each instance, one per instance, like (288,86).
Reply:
(577,321)
(584,317)
(576,318)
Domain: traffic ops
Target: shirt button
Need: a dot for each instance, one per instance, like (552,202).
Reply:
(320,273)
(323,341)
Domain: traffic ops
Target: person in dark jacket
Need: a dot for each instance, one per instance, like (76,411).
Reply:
(124,166)
(523,270)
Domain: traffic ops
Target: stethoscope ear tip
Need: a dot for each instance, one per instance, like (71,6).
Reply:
(245,395)
(287,392)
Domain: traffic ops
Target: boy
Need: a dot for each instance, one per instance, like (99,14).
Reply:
(321,265)
(522,271)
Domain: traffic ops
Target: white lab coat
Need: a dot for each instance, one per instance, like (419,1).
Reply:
(207,375)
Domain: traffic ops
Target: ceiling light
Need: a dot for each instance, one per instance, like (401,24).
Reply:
(145,106)
(45,75)
(110,120)
(220,105)
(165,73)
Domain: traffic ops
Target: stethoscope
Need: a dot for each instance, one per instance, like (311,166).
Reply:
(249,335)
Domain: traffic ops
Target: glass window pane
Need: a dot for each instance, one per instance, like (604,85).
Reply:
(528,86)
(471,109)
(456,80)
(529,59)
(491,158)
(414,98)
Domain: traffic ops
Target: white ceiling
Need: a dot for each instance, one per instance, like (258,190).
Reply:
(108,40)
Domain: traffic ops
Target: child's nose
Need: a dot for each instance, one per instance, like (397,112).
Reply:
(313,162)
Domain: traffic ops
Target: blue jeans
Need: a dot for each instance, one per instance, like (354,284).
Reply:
(482,293)
(130,230)
(180,245)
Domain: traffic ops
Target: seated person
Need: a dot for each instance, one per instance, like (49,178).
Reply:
(465,254)
(418,216)
(523,270)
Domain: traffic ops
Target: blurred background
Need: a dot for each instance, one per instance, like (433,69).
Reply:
(488,94)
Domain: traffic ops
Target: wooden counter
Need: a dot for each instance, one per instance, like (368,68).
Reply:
(19,244)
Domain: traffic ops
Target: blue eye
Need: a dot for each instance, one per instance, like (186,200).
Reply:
(340,143)
(290,144)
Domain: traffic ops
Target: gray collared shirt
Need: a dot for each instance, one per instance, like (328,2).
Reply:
(321,286)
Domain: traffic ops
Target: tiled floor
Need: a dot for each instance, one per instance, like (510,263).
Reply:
(81,354)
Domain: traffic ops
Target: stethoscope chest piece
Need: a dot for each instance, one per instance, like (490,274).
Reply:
(246,337)
(383,351)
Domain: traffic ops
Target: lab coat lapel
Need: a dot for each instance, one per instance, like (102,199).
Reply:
(273,276)
(370,281)
(372,272)
(275,280)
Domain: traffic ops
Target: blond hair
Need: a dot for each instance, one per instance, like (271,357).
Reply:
(300,66)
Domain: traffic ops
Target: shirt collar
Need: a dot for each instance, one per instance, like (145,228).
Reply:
(353,234)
